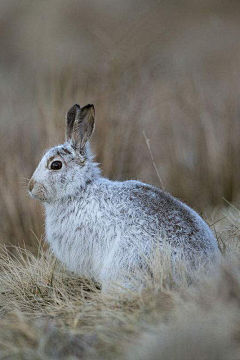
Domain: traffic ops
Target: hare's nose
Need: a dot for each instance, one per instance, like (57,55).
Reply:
(31,185)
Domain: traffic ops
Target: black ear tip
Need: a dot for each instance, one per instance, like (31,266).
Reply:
(88,106)
(74,109)
(91,106)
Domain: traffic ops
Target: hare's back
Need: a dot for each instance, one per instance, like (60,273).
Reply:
(179,222)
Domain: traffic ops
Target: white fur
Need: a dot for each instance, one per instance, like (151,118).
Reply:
(106,229)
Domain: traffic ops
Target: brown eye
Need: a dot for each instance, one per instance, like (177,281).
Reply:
(56,165)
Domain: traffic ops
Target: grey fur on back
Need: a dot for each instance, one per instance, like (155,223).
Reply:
(105,229)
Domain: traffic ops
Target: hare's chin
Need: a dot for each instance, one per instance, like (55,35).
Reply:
(39,197)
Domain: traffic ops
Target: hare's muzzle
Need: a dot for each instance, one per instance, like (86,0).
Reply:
(37,190)
(31,185)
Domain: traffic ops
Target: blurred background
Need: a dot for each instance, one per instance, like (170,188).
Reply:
(161,74)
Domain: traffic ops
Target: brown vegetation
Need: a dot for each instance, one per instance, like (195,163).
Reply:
(163,76)
(49,313)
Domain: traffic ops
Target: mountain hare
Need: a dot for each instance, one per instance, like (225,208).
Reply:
(105,229)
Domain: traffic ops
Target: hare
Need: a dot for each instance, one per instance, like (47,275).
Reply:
(103,229)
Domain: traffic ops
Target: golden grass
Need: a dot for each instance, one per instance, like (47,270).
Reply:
(50,313)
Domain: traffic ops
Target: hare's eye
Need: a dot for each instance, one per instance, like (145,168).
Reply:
(56,165)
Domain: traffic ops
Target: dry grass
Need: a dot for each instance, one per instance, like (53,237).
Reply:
(49,313)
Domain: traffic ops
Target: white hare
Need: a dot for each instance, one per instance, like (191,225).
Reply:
(104,229)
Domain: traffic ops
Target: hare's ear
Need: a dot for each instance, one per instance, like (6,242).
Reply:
(83,127)
(71,117)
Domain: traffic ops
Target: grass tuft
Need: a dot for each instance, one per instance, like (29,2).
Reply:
(48,312)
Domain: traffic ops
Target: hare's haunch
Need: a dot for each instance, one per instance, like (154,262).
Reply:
(105,229)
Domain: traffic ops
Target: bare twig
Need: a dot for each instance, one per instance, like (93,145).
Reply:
(152,158)
(230,204)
